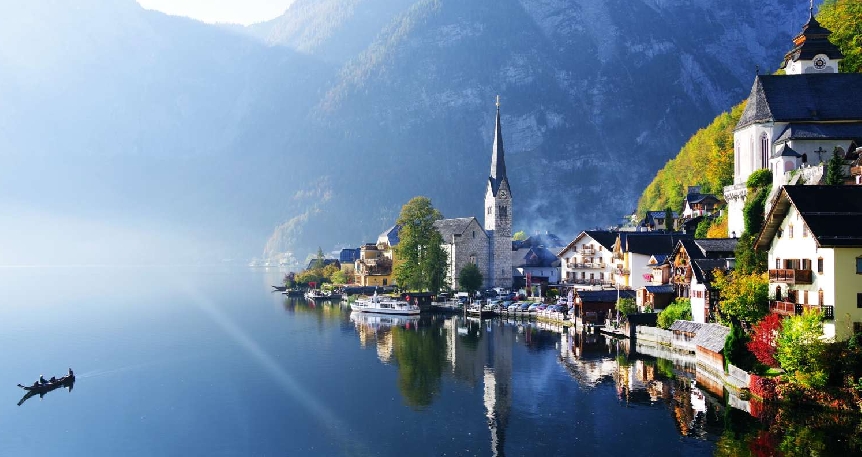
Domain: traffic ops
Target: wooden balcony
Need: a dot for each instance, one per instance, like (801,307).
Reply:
(855,171)
(791,276)
(795,309)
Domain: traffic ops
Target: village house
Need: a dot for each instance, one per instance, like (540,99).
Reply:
(814,238)
(587,262)
(374,266)
(693,263)
(632,253)
(656,220)
(597,306)
(697,204)
(534,261)
(792,123)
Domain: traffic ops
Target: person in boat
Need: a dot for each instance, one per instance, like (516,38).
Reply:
(71,373)
(42,380)
(53,379)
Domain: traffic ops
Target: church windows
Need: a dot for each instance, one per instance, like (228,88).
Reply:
(503,211)
(489,210)
(764,150)
(473,259)
(474,234)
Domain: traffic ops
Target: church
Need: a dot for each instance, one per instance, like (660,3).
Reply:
(792,123)
(488,245)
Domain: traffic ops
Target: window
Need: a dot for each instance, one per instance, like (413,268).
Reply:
(384,281)
(859,265)
(859,300)
(474,234)
(473,259)
(806,264)
(804,230)
(777,263)
(820,265)
(804,297)
(764,150)
(489,210)
(790,231)
(857,327)
(778,293)
(503,211)
(820,297)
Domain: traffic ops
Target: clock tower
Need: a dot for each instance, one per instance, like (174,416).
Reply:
(498,215)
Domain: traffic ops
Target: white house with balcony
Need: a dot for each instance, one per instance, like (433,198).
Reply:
(587,262)
(814,238)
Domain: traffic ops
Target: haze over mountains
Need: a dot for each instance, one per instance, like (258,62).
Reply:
(128,136)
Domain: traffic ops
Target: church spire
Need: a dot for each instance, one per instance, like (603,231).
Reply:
(498,161)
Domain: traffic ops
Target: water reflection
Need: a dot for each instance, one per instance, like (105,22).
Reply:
(480,353)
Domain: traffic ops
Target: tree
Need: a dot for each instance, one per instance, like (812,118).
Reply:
(338,277)
(679,310)
(420,261)
(744,297)
(702,230)
(764,340)
(627,306)
(319,260)
(749,260)
(470,278)
(800,350)
(668,219)
(835,170)
(844,19)
(519,236)
(735,350)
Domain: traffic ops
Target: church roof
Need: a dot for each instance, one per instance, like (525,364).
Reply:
(498,160)
(785,151)
(451,227)
(808,131)
(800,98)
(813,40)
(833,214)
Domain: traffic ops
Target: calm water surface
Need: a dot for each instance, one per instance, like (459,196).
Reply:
(206,361)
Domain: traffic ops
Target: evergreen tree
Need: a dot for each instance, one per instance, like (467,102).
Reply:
(835,170)
(668,219)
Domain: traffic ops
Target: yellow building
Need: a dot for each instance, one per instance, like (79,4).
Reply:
(374,266)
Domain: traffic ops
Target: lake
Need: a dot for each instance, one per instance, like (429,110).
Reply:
(207,361)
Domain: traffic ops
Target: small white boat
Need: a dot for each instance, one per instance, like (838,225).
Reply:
(383,305)
(317,294)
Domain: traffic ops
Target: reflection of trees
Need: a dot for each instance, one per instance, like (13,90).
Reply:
(421,359)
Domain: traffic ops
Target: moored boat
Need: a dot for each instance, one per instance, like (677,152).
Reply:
(317,294)
(384,305)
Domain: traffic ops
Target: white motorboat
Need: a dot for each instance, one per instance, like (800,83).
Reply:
(384,305)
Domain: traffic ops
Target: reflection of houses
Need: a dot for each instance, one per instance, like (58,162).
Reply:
(692,264)
(595,306)
(588,260)
(533,258)
(814,238)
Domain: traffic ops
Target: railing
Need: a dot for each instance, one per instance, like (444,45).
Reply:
(587,251)
(586,265)
(785,308)
(623,271)
(790,276)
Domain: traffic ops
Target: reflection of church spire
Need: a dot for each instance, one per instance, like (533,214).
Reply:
(498,379)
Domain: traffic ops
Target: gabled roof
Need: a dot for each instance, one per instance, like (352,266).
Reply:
(697,198)
(851,131)
(391,235)
(604,296)
(806,97)
(606,238)
(703,268)
(785,151)
(686,326)
(653,243)
(833,214)
(657,259)
(450,227)
(704,248)
(535,257)
(711,337)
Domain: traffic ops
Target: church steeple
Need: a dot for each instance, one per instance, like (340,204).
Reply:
(812,51)
(498,160)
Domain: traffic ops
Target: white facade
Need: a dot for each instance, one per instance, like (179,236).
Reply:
(585,263)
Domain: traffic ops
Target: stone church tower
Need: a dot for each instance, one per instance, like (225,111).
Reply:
(498,215)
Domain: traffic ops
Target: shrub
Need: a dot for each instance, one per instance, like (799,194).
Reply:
(763,340)
(679,310)
(801,351)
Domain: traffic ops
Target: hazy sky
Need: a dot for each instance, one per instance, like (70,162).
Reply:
(233,11)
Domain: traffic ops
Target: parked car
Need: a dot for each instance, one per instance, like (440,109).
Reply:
(524,307)
(533,308)
(513,307)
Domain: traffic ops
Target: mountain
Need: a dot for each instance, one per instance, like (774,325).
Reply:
(128,134)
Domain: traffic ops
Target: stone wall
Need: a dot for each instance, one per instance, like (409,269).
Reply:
(474,241)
